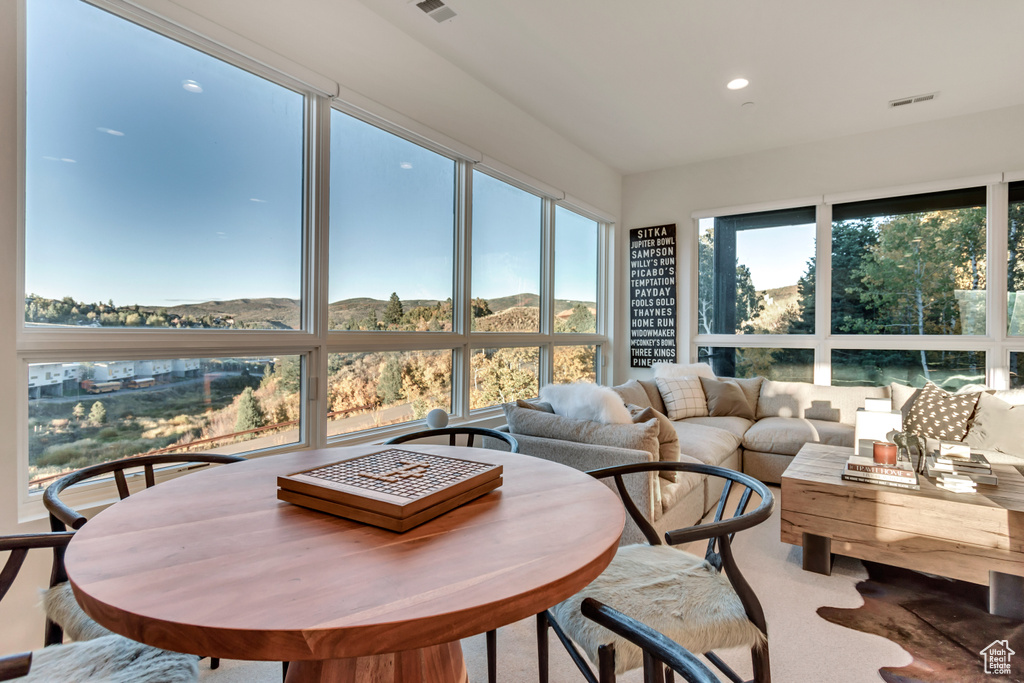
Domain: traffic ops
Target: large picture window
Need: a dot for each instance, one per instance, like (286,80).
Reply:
(392,231)
(756,273)
(575,273)
(910,265)
(169,194)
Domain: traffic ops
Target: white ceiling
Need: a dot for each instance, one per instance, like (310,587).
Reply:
(640,84)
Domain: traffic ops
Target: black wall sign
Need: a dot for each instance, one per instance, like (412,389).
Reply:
(652,295)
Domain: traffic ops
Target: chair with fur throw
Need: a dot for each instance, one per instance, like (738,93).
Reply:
(700,603)
(97,656)
(656,648)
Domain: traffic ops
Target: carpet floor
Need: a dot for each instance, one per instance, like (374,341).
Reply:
(804,646)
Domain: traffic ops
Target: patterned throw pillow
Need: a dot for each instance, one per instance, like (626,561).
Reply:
(684,397)
(939,414)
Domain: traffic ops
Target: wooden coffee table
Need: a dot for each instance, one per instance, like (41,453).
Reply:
(972,537)
(214,564)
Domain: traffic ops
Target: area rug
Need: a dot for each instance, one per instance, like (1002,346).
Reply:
(943,624)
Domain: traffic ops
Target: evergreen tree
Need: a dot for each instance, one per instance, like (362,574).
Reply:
(393,312)
(250,412)
(389,387)
(97,414)
(481,307)
(289,374)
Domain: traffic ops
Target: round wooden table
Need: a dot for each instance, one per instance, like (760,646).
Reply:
(214,564)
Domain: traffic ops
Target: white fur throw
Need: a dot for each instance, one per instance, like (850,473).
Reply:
(586,401)
(683,370)
(62,609)
(111,659)
(673,592)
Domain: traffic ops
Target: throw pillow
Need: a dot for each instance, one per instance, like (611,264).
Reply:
(940,414)
(903,398)
(725,398)
(639,437)
(585,401)
(633,393)
(684,397)
(539,405)
(668,438)
(997,426)
(682,370)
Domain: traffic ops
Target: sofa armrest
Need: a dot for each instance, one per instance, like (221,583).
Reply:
(584,457)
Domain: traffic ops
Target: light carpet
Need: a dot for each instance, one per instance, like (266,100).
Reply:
(804,647)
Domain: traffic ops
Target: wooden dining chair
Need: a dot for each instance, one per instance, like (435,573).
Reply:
(700,603)
(105,658)
(63,517)
(470,433)
(454,432)
(658,650)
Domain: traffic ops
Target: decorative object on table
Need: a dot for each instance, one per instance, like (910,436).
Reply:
(393,489)
(872,425)
(975,466)
(437,418)
(957,483)
(868,471)
(878,405)
(884,453)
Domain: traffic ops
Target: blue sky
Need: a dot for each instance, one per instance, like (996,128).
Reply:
(159,175)
(777,257)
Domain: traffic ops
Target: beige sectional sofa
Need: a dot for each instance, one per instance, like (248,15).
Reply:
(788,414)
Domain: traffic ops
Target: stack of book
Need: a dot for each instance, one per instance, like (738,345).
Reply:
(957,483)
(865,470)
(962,461)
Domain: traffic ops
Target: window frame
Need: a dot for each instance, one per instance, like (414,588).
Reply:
(313,341)
(994,343)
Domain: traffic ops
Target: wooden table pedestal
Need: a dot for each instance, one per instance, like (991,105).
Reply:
(437,664)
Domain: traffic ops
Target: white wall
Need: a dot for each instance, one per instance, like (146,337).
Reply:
(339,39)
(979,144)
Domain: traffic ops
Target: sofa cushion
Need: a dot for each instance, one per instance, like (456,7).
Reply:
(940,414)
(673,492)
(734,425)
(726,398)
(813,401)
(654,395)
(684,397)
(633,393)
(668,440)
(539,405)
(903,397)
(586,401)
(996,425)
(641,437)
(710,445)
(786,435)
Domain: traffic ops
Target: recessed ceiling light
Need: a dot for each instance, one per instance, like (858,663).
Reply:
(737,84)
(111,131)
(406,165)
(191,86)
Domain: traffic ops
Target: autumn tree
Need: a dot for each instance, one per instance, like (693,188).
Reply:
(389,386)
(98,414)
(503,375)
(78,412)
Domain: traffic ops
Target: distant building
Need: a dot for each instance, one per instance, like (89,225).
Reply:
(115,369)
(45,379)
(185,367)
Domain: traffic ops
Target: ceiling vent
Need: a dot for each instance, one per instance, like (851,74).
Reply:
(904,101)
(436,10)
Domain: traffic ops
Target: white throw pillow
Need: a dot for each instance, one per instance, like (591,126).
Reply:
(683,370)
(585,401)
(684,397)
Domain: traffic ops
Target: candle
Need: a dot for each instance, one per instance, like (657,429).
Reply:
(885,453)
